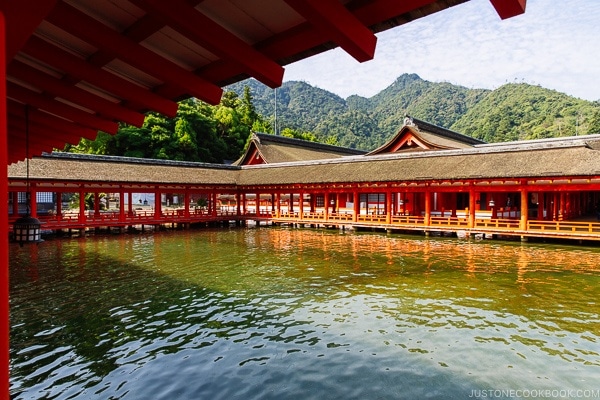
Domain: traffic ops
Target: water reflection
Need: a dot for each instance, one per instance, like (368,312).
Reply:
(283,313)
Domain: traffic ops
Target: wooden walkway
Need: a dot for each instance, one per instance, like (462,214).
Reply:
(582,229)
(572,230)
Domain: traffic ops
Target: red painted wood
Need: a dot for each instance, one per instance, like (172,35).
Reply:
(375,12)
(79,24)
(63,110)
(338,24)
(509,8)
(4,298)
(80,69)
(198,27)
(46,121)
(63,89)
(22,19)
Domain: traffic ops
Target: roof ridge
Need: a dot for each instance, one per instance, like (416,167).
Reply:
(441,131)
(306,143)
(134,160)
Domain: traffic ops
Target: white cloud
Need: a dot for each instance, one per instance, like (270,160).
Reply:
(554,45)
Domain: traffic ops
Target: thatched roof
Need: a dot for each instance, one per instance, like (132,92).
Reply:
(273,149)
(567,157)
(549,158)
(110,169)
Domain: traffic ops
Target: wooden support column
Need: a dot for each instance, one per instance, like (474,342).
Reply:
(129,203)
(257,204)
(291,204)
(326,206)
(82,216)
(4,290)
(356,198)
(388,207)
(157,204)
(427,208)
(214,203)
(58,205)
(33,200)
(121,205)
(301,205)
(524,209)
(278,201)
(472,204)
(186,201)
(541,206)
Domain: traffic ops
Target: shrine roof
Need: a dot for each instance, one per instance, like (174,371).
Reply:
(276,149)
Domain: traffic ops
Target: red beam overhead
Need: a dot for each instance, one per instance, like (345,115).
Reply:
(370,12)
(63,89)
(509,8)
(218,40)
(22,19)
(44,119)
(340,25)
(101,36)
(79,68)
(66,111)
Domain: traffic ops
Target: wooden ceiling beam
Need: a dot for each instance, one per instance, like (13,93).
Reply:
(339,25)
(79,68)
(37,136)
(196,26)
(509,8)
(299,39)
(64,110)
(17,152)
(22,19)
(61,88)
(371,13)
(101,36)
(37,117)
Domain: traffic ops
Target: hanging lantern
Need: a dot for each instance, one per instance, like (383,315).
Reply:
(27,230)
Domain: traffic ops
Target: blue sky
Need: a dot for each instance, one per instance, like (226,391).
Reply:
(555,44)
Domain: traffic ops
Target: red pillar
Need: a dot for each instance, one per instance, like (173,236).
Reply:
(472,203)
(121,206)
(524,208)
(157,205)
(33,200)
(82,206)
(356,205)
(186,202)
(427,208)
(4,345)
(59,205)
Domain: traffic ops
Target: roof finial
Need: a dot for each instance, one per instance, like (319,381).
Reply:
(408,120)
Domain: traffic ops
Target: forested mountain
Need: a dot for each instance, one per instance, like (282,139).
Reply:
(513,111)
(220,133)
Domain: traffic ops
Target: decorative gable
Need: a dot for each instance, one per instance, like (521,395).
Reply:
(416,135)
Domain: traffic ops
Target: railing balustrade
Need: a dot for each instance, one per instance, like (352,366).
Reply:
(482,222)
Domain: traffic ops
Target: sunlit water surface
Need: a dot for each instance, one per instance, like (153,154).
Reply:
(275,313)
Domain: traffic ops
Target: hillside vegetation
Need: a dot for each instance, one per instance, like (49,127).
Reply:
(201,132)
(513,111)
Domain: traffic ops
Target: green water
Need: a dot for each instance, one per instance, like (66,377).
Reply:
(275,313)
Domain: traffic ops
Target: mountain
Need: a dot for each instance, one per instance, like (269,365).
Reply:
(511,112)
